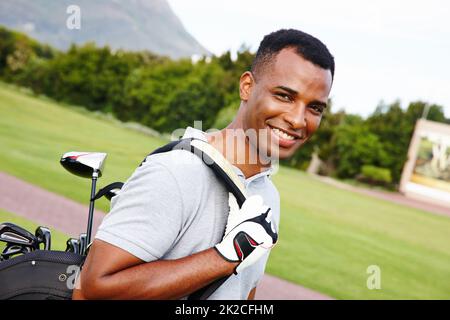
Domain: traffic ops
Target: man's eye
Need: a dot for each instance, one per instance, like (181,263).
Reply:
(317,109)
(283,97)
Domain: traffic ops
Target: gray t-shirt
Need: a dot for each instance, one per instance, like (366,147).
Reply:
(174,206)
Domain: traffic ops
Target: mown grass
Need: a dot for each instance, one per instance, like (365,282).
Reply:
(34,133)
(328,236)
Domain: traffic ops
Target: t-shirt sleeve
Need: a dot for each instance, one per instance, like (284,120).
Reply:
(147,216)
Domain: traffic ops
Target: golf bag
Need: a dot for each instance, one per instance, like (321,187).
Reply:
(47,274)
(39,275)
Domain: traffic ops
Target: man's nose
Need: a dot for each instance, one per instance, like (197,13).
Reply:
(296,117)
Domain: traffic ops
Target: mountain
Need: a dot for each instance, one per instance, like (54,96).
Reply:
(128,24)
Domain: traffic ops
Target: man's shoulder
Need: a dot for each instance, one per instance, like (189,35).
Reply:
(182,164)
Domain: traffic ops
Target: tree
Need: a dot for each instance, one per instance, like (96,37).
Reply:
(395,127)
(200,97)
(357,146)
(16,50)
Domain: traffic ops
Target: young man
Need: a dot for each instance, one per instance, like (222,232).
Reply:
(163,238)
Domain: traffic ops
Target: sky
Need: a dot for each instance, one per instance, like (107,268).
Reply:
(384,50)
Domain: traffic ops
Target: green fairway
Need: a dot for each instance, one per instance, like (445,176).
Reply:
(34,133)
(58,239)
(328,236)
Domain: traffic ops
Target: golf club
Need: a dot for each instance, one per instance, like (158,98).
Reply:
(87,165)
(73,245)
(13,234)
(44,236)
(12,250)
(83,243)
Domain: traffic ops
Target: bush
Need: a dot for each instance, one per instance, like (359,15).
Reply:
(356,147)
(375,175)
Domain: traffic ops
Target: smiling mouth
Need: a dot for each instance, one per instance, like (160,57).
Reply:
(282,134)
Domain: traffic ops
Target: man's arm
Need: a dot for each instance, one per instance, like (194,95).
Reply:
(113,273)
(252,293)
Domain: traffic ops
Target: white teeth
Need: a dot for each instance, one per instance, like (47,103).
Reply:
(283,134)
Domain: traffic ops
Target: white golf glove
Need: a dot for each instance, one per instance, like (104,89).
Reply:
(249,233)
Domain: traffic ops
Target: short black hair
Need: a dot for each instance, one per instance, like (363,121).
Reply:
(307,46)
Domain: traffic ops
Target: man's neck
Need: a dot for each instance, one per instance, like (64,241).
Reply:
(233,145)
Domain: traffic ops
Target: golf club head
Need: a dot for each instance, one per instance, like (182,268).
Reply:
(83,243)
(15,249)
(83,164)
(44,236)
(73,245)
(13,234)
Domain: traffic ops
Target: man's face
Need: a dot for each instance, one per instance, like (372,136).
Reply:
(287,100)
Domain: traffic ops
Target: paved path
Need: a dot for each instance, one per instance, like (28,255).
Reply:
(273,288)
(70,217)
(44,207)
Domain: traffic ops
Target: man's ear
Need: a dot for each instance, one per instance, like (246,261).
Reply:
(246,85)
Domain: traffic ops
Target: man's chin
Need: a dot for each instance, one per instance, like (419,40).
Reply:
(281,153)
(275,154)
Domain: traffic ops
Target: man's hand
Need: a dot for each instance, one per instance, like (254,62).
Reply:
(249,233)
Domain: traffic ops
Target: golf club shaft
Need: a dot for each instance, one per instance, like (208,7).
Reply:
(91,208)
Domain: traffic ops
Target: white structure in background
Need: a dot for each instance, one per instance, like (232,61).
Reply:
(426,174)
